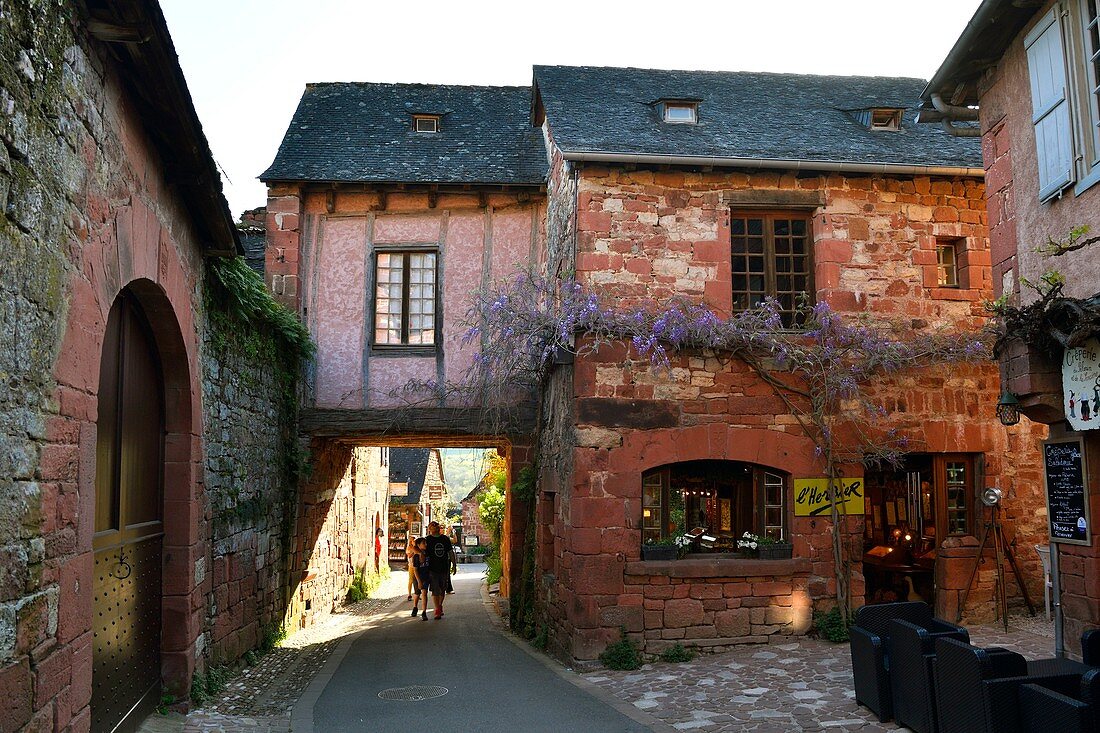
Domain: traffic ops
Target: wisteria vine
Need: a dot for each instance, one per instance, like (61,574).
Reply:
(821,369)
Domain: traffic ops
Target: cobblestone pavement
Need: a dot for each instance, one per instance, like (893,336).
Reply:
(259,699)
(799,684)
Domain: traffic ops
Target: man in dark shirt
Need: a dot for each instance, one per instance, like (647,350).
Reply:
(441,562)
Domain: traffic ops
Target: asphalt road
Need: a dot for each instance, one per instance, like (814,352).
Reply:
(492,685)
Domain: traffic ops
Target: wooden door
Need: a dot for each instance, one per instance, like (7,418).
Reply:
(126,617)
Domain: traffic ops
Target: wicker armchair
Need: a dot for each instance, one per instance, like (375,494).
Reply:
(1065,708)
(1090,647)
(868,637)
(912,654)
(977,689)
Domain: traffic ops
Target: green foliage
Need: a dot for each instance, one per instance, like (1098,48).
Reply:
(247,298)
(523,488)
(165,704)
(495,568)
(479,550)
(542,638)
(206,687)
(365,582)
(831,626)
(622,654)
(677,653)
(251,658)
(271,635)
(490,509)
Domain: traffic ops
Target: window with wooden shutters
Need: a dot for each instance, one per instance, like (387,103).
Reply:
(1090,21)
(1050,106)
(770,257)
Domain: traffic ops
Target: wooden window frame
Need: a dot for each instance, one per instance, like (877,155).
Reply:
(952,268)
(693,107)
(404,348)
(769,216)
(759,500)
(939,469)
(434,119)
(892,120)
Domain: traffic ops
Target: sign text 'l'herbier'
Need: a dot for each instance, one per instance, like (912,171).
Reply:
(1081,386)
(811,496)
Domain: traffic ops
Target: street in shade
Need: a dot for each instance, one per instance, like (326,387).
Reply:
(491,683)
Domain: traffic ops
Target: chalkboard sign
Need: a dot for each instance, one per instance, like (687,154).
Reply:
(1067,495)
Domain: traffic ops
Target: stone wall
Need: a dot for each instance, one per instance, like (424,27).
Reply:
(249,406)
(333,535)
(84,213)
(648,235)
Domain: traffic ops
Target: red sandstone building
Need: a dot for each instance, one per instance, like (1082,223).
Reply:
(1028,73)
(718,187)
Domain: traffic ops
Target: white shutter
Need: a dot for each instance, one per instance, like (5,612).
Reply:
(1046,65)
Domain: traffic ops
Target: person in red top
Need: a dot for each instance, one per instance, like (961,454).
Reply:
(377,548)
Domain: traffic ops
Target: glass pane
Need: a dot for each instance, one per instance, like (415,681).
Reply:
(756,226)
(737,226)
(781,227)
(798,227)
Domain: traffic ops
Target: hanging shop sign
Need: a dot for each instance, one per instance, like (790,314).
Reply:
(811,496)
(1067,496)
(1081,386)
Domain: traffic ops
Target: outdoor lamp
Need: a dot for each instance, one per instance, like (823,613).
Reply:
(1008,409)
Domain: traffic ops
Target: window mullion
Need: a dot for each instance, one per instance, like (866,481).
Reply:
(769,256)
(405,269)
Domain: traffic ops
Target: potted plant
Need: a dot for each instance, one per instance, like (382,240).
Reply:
(665,548)
(765,548)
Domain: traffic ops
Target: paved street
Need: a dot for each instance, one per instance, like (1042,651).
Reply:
(328,678)
(491,683)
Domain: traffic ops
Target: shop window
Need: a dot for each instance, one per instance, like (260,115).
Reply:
(405,298)
(910,511)
(770,257)
(713,503)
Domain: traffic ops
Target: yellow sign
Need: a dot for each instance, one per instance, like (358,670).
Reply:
(811,496)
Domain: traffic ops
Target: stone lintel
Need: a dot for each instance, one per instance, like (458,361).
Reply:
(721,568)
(613,412)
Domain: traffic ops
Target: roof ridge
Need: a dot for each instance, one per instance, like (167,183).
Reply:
(422,85)
(727,72)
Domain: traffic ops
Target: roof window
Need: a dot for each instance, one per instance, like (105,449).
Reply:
(885,119)
(680,113)
(425,123)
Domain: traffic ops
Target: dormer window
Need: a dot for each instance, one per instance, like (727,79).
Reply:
(425,123)
(886,119)
(681,113)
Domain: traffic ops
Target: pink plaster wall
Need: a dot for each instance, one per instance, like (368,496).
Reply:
(340,309)
(337,252)
(463,261)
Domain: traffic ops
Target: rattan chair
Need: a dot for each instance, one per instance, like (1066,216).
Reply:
(1090,647)
(977,690)
(868,637)
(1065,708)
(912,656)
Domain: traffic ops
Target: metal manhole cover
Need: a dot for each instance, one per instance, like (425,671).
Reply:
(413,692)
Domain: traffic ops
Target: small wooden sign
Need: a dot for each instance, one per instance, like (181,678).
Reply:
(1067,495)
(811,496)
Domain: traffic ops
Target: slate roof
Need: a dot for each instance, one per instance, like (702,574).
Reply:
(411,465)
(742,115)
(363,132)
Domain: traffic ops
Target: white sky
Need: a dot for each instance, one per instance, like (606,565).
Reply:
(247,61)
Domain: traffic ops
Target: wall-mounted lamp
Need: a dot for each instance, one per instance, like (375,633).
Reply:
(1008,409)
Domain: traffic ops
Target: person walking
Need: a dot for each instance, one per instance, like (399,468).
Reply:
(418,561)
(441,563)
(410,550)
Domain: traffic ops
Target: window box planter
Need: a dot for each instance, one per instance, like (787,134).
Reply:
(659,552)
(777,551)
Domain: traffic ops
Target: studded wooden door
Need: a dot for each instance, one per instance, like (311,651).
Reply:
(128,521)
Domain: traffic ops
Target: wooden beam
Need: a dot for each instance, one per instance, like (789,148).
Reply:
(395,424)
(117,33)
